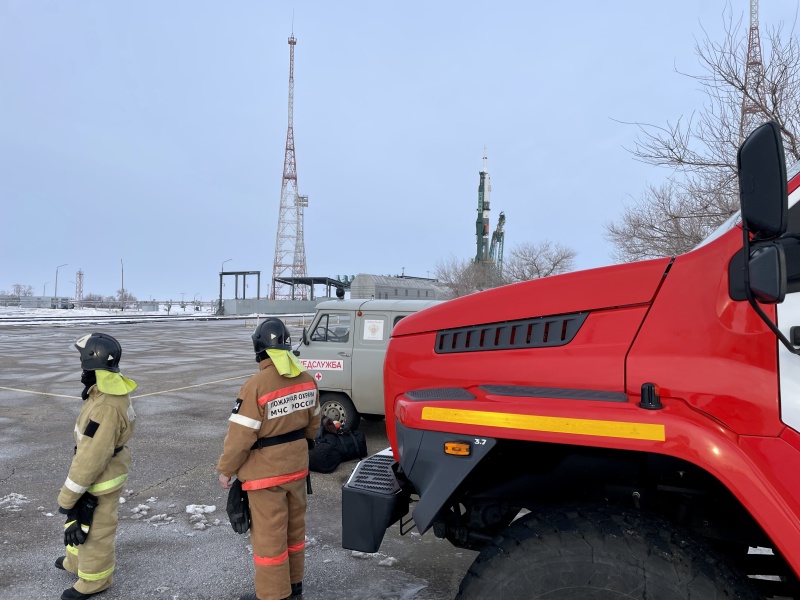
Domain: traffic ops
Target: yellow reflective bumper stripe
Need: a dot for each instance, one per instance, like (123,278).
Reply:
(107,485)
(615,429)
(72,550)
(95,576)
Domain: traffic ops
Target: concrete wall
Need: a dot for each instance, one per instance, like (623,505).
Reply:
(271,307)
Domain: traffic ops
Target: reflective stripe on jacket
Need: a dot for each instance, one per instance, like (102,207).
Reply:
(105,422)
(270,404)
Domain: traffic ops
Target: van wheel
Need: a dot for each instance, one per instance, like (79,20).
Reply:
(599,553)
(339,407)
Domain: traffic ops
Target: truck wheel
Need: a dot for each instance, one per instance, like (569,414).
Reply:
(340,408)
(599,553)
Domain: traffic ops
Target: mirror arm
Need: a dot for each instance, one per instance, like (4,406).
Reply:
(749,293)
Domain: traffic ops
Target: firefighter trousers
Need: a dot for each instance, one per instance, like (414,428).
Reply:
(278,536)
(93,561)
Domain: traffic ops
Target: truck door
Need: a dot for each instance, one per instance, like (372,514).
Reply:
(328,355)
(789,316)
(372,330)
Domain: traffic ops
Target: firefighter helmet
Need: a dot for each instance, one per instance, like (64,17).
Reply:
(272,334)
(99,351)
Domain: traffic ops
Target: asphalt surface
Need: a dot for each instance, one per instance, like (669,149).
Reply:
(189,374)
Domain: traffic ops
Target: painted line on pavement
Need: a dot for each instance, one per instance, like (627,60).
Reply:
(132,397)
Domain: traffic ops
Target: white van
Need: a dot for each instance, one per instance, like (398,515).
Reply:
(344,348)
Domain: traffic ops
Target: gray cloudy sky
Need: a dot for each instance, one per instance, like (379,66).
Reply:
(153,132)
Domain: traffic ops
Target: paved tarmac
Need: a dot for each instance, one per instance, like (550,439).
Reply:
(189,374)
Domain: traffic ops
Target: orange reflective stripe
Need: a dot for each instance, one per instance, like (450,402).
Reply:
(260,484)
(292,389)
(268,561)
(297,547)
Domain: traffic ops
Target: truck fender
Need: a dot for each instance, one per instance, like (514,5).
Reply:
(436,475)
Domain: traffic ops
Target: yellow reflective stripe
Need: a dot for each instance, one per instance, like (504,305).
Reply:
(68,524)
(72,550)
(95,576)
(616,429)
(107,485)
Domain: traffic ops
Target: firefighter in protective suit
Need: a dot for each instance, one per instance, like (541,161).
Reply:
(90,495)
(273,423)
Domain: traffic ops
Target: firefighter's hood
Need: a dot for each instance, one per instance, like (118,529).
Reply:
(285,362)
(114,383)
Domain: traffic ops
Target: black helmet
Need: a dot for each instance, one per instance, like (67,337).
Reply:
(99,351)
(271,333)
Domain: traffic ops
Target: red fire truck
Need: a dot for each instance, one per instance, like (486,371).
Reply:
(623,432)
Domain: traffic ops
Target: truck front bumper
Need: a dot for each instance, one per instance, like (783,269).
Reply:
(373,499)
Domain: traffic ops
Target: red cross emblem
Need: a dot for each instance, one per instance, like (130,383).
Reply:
(318,376)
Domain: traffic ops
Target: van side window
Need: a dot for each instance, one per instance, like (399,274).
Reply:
(397,320)
(332,327)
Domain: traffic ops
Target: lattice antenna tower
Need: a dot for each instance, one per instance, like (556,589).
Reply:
(78,288)
(290,253)
(754,97)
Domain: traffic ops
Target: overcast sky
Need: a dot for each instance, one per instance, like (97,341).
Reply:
(146,139)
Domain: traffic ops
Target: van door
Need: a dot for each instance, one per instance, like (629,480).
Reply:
(372,330)
(328,355)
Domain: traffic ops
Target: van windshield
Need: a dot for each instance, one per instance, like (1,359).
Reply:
(332,327)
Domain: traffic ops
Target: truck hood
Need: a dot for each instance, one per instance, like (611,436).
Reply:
(605,287)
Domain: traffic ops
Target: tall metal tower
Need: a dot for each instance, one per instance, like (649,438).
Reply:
(482,222)
(754,96)
(290,252)
(78,288)
(498,240)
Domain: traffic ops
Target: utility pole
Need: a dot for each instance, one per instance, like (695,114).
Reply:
(220,309)
(122,292)
(55,302)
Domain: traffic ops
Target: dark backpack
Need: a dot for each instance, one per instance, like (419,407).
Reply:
(331,449)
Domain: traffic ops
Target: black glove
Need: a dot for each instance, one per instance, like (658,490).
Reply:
(311,444)
(79,520)
(238,508)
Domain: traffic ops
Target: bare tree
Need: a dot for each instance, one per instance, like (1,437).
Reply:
(530,260)
(462,277)
(22,290)
(702,191)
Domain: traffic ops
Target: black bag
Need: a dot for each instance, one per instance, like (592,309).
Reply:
(333,446)
(324,457)
(238,508)
(352,444)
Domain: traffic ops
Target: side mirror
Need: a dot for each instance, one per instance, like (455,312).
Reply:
(305,336)
(762,183)
(768,274)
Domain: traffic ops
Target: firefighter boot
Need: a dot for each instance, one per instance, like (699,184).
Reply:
(297,589)
(73,594)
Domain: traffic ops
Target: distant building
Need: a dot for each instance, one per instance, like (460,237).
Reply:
(46,302)
(385,287)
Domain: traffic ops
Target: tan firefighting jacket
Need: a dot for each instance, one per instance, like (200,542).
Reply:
(100,464)
(268,405)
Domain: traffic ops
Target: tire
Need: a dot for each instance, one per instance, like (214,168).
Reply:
(340,408)
(599,553)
